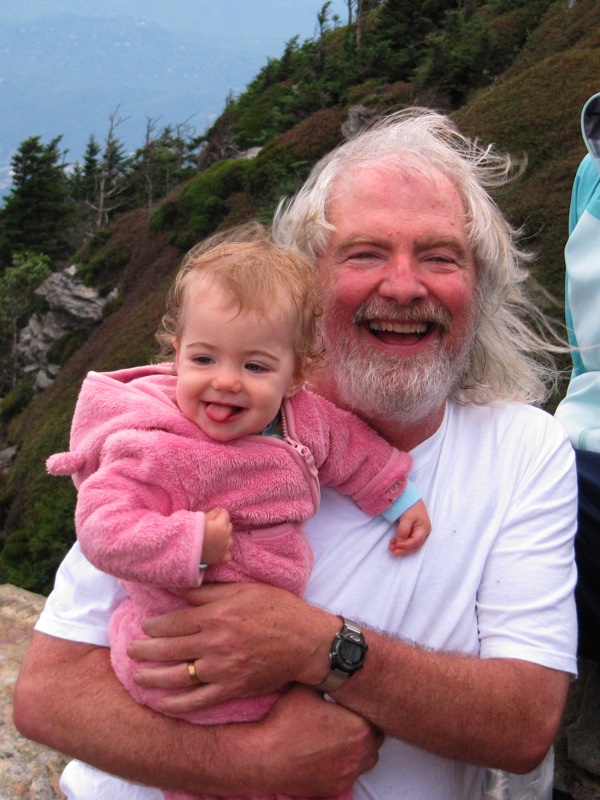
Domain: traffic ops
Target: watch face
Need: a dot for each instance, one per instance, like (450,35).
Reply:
(352,654)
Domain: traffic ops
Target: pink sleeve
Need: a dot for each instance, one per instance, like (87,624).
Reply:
(131,526)
(350,456)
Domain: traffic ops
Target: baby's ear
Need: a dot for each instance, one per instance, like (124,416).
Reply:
(295,387)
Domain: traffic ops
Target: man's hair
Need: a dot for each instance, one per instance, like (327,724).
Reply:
(253,274)
(511,356)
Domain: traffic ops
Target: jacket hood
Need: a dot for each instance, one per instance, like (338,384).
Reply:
(590,127)
(142,398)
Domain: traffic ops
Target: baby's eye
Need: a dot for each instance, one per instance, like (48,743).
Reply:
(203,360)
(252,367)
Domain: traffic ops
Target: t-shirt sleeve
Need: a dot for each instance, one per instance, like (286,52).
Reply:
(81,604)
(525,602)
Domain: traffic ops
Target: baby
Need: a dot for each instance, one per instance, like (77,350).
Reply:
(206,468)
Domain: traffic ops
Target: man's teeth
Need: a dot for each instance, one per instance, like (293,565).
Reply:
(398,327)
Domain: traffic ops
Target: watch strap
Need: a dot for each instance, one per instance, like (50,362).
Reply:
(338,676)
(333,681)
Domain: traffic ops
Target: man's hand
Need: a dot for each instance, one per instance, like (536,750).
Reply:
(245,639)
(305,746)
(329,746)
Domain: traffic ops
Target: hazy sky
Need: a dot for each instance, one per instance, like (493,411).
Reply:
(63,75)
(269,22)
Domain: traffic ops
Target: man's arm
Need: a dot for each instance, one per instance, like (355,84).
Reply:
(496,712)
(68,697)
(500,713)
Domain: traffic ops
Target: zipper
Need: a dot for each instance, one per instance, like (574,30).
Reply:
(304,454)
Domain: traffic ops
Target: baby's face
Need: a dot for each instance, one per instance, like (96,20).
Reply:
(233,367)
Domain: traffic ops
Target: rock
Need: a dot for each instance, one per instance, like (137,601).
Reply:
(28,771)
(7,456)
(572,781)
(358,117)
(583,736)
(68,296)
(73,307)
(252,152)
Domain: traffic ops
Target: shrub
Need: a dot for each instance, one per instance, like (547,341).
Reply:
(202,203)
(62,349)
(16,400)
(103,268)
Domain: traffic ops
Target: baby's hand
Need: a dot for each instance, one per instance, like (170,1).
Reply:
(218,537)
(414,526)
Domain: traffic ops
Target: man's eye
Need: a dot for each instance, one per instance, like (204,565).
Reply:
(441,263)
(364,258)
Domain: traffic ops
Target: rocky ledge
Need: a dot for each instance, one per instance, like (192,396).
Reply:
(28,771)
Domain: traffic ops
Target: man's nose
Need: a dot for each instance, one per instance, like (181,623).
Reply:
(402,280)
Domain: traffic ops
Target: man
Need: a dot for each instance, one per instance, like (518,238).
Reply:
(579,411)
(426,339)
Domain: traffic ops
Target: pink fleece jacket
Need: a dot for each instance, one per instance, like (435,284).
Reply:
(146,475)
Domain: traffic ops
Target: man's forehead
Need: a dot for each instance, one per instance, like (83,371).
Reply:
(381,185)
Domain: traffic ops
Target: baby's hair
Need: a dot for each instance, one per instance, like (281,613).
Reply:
(256,275)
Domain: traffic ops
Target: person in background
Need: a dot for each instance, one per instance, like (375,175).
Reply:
(579,411)
(430,338)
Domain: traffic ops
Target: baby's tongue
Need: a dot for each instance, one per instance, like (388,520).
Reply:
(218,412)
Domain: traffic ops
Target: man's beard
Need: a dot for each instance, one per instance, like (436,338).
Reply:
(384,386)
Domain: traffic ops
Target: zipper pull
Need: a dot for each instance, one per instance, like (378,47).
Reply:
(306,455)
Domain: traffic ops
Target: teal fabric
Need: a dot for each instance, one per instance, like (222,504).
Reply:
(579,411)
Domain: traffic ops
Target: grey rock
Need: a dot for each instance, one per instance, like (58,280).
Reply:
(28,771)
(69,297)
(7,457)
(358,117)
(73,307)
(583,736)
(252,152)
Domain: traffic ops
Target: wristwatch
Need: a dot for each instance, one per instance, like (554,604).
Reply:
(348,653)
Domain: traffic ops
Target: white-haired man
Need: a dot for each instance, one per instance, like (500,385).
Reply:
(471,641)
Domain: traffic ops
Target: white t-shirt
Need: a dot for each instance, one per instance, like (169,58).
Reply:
(495,578)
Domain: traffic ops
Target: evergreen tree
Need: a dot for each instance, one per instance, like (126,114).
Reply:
(17,285)
(38,211)
(165,160)
(84,180)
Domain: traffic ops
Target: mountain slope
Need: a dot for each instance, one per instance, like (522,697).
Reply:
(296,108)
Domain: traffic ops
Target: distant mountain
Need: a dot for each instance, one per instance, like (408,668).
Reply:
(66,65)
(48,88)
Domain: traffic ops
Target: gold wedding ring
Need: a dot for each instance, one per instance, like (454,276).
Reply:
(191,665)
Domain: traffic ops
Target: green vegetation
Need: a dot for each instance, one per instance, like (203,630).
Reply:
(17,301)
(38,212)
(513,72)
(103,267)
(202,203)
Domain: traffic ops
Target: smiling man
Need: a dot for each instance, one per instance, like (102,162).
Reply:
(461,654)
(401,296)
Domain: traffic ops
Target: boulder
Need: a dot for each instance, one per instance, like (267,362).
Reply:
(72,307)
(28,771)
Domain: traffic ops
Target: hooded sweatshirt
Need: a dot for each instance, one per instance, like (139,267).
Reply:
(579,411)
(146,475)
